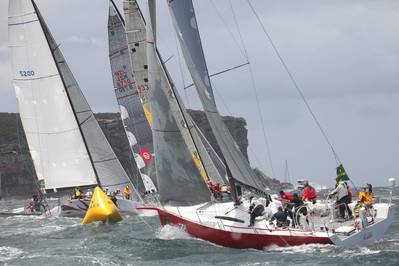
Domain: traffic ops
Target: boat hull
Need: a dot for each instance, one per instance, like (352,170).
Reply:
(233,238)
(78,207)
(229,231)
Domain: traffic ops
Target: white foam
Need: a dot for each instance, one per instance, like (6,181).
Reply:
(355,252)
(147,213)
(171,232)
(304,249)
(9,253)
(54,212)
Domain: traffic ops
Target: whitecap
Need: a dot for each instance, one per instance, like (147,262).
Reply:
(304,249)
(9,253)
(171,232)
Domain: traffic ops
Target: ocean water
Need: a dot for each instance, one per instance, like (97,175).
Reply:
(141,241)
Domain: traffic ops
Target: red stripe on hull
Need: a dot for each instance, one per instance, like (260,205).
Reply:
(234,239)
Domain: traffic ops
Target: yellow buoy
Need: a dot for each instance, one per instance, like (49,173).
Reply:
(101,209)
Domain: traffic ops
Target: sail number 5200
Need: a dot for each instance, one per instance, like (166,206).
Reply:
(27,73)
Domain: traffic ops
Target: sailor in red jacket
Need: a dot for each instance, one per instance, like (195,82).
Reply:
(286,197)
(309,193)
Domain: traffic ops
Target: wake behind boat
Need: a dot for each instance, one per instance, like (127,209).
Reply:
(19,212)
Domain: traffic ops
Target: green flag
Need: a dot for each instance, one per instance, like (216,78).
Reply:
(41,184)
(341,173)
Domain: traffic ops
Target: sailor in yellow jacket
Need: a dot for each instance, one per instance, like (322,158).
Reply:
(78,193)
(127,192)
(365,199)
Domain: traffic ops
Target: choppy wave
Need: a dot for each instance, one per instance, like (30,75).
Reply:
(9,253)
(310,248)
(171,232)
(31,240)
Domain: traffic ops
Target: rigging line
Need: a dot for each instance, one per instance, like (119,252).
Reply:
(227,27)
(294,83)
(181,71)
(252,77)
(220,72)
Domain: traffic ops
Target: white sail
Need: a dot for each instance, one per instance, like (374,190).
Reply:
(55,143)
(60,125)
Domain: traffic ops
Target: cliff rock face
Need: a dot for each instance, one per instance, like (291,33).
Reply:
(17,175)
(236,125)
(273,183)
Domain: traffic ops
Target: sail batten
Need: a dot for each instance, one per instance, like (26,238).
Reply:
(186,27)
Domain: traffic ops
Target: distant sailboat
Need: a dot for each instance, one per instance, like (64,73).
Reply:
(227,223)
(204,156)
(65,141)
(133,116)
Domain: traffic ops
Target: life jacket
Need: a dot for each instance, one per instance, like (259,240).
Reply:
(366,198)
(127,191)
(78,193)
(287,196)
(309,193)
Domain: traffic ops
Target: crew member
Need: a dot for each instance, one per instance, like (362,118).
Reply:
(113,198)
(127,192)
(281,218)
(298,204)
(257,208)
(365,199)
(78,193)
(225,194)
(285,197)
(341,192)
(309,193)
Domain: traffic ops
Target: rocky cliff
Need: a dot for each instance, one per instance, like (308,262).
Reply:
(17,176)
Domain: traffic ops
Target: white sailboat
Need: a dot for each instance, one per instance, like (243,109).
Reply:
(227,223)
(66,143)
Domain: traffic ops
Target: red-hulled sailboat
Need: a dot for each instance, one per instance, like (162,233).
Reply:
(183,192)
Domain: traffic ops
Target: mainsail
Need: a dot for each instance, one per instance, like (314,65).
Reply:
(186,27)
(201,151)
(137,127)
(180,182)
(66,143)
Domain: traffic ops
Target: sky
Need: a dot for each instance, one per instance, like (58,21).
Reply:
(344,55)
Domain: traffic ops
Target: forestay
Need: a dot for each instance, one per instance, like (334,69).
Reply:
(179,180)
(134,120)
(185,23)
